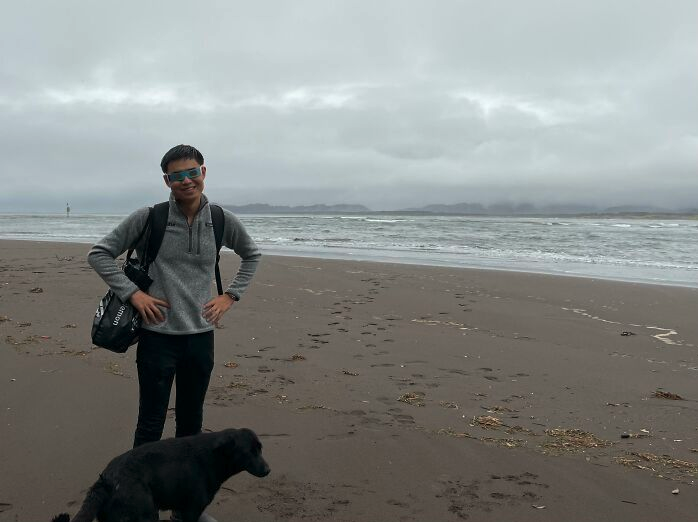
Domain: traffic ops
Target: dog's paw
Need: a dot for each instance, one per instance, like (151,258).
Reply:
(63,517)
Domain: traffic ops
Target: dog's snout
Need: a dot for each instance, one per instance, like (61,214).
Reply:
(260,469)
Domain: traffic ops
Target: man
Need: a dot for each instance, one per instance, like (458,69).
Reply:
(179,314)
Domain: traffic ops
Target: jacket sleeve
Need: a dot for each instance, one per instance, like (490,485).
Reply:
(237,239)
(102,256)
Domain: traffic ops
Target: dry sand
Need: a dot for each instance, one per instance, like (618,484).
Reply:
(381,392)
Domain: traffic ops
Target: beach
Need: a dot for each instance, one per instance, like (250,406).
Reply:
(380,392)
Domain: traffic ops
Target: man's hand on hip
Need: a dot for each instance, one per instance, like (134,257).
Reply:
(216,307)
(147,306)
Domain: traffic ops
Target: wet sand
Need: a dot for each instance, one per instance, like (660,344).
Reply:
(380,391)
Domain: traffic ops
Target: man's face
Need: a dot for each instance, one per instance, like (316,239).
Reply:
(188,190)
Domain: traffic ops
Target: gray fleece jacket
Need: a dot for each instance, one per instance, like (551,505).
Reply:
(183,271)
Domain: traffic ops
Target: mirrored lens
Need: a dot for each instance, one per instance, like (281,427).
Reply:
(179,176)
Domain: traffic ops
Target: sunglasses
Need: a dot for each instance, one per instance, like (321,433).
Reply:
(179,176)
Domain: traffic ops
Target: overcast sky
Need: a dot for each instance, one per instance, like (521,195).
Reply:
(382,103)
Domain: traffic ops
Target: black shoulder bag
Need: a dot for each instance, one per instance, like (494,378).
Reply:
(116,324)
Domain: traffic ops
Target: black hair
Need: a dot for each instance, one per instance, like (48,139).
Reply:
(181,152)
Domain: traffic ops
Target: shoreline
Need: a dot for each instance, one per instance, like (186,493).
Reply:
(494,392)
(410,262)
(446,264)
(690,216)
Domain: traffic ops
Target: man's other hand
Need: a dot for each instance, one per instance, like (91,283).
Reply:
(216,307)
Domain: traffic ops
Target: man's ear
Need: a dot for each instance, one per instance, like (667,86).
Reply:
(203,171)
(167,181)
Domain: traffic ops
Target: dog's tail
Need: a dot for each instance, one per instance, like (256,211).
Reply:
(96,497)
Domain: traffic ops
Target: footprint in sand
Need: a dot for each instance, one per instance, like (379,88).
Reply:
(454,370)
(336,436)
(403,419)
(502,496)
(464,497)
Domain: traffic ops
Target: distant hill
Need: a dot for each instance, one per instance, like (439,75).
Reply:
(458,208)
(496,209)
(527,209)
(631,209)
(263,208)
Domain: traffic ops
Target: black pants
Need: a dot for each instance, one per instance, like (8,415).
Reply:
(161,359)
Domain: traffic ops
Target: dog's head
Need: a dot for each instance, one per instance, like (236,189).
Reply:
(243,451)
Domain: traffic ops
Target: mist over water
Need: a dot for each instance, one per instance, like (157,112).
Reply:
(643,250)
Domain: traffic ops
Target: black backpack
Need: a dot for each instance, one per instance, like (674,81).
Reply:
(157,219)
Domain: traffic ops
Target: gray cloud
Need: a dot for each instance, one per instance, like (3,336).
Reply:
(388,104)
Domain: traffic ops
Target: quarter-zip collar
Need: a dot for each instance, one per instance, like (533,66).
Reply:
(177,212)
(175,207)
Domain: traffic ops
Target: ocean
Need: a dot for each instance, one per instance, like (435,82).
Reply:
(642,250)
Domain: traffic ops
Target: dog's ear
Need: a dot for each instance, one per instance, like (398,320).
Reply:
(226,442)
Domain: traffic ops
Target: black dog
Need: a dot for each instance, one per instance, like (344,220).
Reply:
(181,474)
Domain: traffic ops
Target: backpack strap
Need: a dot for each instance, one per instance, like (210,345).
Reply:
(148,223)
(158,216)
(218,221)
